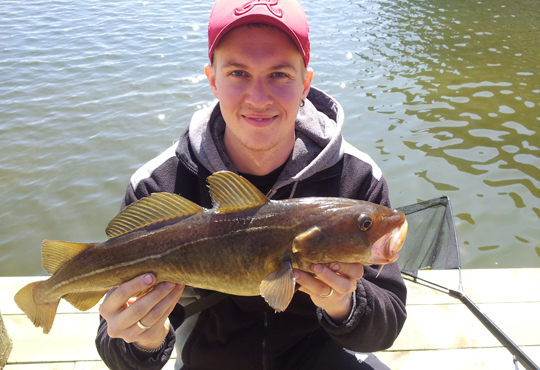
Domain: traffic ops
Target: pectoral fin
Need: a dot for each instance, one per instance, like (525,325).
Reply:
(278,287)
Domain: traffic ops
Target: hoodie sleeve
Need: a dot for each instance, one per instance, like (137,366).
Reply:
(378,312)
(119,355)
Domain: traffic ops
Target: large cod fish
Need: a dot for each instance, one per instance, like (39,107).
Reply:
(245,245)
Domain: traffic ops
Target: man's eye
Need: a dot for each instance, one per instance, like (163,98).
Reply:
(280,74)
(237,73)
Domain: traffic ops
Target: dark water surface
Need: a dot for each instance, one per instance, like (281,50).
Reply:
(445,96)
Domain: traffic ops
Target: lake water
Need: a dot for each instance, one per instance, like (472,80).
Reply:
(445,96)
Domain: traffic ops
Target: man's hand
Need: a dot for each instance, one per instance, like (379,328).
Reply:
(122,311)
(337,279)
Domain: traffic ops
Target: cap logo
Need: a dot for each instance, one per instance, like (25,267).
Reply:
(252,4)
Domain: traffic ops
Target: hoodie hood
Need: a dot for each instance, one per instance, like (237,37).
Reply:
(318,144)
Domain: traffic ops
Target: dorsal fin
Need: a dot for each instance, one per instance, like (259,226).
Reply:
(233,193)
(150,210)
(54,253)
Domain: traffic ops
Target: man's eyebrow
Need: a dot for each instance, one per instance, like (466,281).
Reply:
(243,66)
(234,65)
(283,66)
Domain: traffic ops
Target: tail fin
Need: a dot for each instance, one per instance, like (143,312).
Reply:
(42,315)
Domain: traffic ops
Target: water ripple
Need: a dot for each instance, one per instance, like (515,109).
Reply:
(443,95)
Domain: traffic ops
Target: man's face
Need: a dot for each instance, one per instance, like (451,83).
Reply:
(259,77)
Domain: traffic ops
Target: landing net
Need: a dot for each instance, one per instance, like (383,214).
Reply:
(431,241)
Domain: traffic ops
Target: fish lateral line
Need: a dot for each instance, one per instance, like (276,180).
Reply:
(155,256)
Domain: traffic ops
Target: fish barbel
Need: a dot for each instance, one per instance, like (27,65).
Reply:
(245,245)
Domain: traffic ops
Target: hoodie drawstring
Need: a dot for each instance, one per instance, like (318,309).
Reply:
(293,190)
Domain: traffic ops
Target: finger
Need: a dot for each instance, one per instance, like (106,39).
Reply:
(310,285)
(152,338)
(159,313)
(152,311)
(116,301)
(354,271)
(132,288)
(142,306)
(328,290)
(341,284)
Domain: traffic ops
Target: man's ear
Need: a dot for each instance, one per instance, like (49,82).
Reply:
(308,77)
(211,76)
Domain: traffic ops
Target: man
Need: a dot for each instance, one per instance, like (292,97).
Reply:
(272,127)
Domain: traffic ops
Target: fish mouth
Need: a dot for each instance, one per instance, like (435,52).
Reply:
(385,249)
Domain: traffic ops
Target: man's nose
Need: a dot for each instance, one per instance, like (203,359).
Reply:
(258,94)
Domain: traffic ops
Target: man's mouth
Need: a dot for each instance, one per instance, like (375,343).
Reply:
(259,120)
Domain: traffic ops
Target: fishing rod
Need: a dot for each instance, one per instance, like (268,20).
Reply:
(519,355)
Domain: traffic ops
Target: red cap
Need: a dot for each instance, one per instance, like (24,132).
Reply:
(287,15)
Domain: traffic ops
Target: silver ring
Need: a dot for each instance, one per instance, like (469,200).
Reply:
(142,326)
(329,294)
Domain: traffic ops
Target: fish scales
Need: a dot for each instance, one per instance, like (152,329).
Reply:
(246,245)
(205,246)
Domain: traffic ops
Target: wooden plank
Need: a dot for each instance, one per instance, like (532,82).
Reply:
(439,330)
(462,359)
(71,339)
(503,285)
(454,326)
(41,366)
(419,293)
(93,365)
(481,286)
(432,313)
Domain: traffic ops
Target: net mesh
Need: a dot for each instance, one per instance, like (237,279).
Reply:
(431,241)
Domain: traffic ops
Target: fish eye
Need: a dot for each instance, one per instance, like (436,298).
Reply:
(365,221)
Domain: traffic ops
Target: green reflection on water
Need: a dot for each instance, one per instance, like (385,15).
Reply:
(460,83)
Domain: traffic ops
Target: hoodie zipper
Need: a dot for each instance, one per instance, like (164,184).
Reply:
(189,168)
(265,364)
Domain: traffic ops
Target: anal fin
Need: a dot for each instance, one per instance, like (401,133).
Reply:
(278,288)
(84,301)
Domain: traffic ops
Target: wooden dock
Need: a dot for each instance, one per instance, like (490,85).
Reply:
(440,332)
